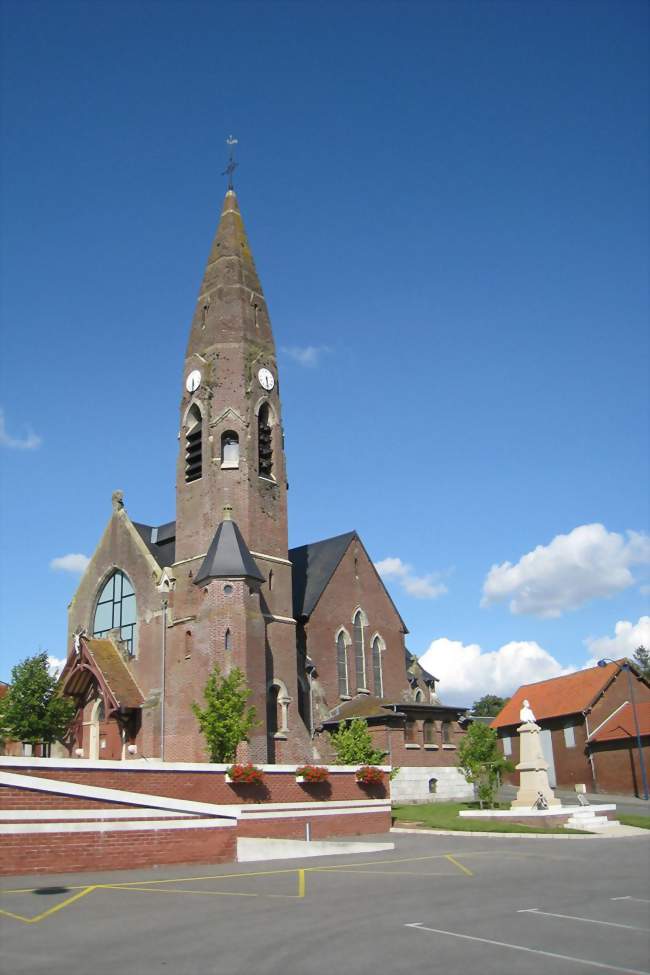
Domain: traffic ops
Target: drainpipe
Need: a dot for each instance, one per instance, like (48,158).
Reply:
(590,754)
(162,683)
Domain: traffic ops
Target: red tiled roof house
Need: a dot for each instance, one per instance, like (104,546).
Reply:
(588,733)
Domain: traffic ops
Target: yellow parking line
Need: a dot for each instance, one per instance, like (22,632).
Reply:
(51,910)
(460,866)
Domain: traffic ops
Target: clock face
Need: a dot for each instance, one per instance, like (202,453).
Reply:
(193,381)
(266,379)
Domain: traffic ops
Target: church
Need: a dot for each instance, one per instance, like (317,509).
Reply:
(313,628)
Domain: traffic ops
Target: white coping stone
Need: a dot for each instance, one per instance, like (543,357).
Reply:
(270,810)
(532,813)
(39,784)
(151,765)
(251,848)
(102,827)
(33,815)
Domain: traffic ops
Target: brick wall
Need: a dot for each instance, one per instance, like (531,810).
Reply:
(198,786)
(618,768)
(53,852)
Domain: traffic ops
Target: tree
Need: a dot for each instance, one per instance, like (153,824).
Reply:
(225,721)
(641,660)
(353,745)
(489,705)
(33,709)
(481,762)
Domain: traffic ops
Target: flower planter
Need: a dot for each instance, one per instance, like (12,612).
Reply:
(312,774)
(244,775)
(369,775)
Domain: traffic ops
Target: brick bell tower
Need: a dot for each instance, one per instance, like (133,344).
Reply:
(232,604)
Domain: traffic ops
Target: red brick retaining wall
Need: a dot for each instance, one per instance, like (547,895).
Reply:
(208,786)
(39,852)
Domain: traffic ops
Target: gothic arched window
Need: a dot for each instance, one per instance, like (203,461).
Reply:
(229,449)
(228,640)
(116,609)
(377,674)
(193,444)
(359,650)
(342,665)
(265,441)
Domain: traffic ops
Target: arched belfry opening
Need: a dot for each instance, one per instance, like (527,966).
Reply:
(193,444)
(265,441)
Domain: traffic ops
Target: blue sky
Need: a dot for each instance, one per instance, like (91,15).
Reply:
(447,203)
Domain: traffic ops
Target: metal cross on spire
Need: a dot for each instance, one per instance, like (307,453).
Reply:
(232,165)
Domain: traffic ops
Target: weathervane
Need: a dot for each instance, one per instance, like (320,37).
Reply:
(232,165)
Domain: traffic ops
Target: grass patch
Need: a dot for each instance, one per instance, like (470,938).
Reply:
(444,815)
(643,822)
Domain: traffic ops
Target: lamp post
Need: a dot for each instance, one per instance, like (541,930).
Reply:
(626,666)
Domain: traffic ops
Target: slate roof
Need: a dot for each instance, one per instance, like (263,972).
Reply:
(160,540)
(558,696)
(621,724)
(228,557)
(363,706)
(313,566)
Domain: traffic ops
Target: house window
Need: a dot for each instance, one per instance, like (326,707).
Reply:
(446,732)
(429,730)
(409,732)
(229,449)
(342,665)
(265,441)
(569,736)
(376,667)
(418,697)
(507,746)
(359,653)
(116,609)
(193,445)
(228,640)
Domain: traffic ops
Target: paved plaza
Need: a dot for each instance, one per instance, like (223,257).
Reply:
(454,905)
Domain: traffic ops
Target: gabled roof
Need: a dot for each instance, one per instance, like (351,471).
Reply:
(101,659)
(228,557)
(553,698)
(160,540)
(621,724)
(313,567)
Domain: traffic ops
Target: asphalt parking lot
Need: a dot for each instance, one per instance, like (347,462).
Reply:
(454,905)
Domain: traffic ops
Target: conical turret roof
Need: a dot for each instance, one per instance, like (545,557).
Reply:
(228,556)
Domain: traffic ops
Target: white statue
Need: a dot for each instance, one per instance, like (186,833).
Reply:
(526,713)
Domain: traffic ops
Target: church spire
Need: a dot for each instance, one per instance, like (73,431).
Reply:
(230,303)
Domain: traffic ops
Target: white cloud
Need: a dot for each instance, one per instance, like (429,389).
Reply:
(627,637)
(56,665)
(305,355)
(466,672)
(588,563)
(74,562)
(422,587)
(30,442)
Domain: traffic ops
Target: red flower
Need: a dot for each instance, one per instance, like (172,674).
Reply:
(245,774)
(370,775)
(312,773)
